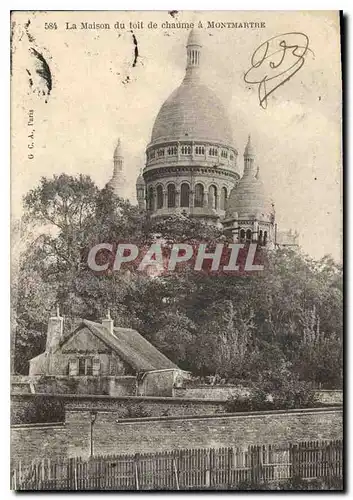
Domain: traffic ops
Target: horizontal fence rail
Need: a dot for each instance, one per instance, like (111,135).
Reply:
(206,468)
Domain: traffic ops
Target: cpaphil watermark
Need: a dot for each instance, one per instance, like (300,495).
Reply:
(158,258)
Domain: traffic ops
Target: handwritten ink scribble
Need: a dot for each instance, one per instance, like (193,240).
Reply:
(275,61)
(136,51)
(173,13)
(29,35)
(42,84)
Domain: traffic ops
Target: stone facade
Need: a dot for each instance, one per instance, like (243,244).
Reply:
(191,162)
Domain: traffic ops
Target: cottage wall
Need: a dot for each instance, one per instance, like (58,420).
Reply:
(81,345)
(157,383)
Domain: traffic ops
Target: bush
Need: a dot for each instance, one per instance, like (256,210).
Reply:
(280,390)
(37,409)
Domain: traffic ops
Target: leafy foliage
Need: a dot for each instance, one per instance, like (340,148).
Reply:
(240,327)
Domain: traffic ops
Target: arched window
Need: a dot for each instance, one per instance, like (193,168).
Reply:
(171,195)
(265,237)
(224,196)
(186,150)
(212,197)
(159,197)
(172,150)
(260,237)
(150,198)
(199,195)
(248,235)
(185,195)
(242,235)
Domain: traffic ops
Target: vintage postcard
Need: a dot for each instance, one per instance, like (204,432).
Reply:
(176,206)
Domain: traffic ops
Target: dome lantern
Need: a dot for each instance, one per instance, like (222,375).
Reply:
(193,52)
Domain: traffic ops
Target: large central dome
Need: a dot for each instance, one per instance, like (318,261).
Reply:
(191,163)
(194,112)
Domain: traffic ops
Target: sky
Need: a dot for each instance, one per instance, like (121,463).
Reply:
(98,96)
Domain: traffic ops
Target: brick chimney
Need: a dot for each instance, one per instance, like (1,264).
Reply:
(55,331)
(108,322)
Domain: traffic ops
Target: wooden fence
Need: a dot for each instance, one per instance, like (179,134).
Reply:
(221,468)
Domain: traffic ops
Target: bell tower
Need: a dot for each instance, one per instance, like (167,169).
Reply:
(141,192)
(117,182)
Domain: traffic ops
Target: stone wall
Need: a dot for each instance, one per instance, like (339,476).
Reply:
(25,405)
(223,392)
(124,385)
(157,383)
(115,435)
(329,396)
(218,392)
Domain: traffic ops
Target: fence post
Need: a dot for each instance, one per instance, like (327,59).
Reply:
(293,452)
(230,466)
(176,472)
(14,479)
(208,469)
(75,473)
(136,460)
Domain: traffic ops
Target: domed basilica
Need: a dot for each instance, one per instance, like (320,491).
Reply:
(192,165)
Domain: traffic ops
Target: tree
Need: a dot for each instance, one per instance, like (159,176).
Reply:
(236,326)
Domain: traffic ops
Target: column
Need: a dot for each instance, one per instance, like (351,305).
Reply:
(191,198)
(177,198)
(205,199)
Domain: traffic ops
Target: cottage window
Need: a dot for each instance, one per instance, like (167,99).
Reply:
(81,366)
(89,370)
(73,367)
(96,366)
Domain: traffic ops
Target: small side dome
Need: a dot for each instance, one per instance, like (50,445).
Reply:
(249,199)
(118,150)
(140,180)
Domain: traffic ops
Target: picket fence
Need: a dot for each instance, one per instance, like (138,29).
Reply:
(185,469)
